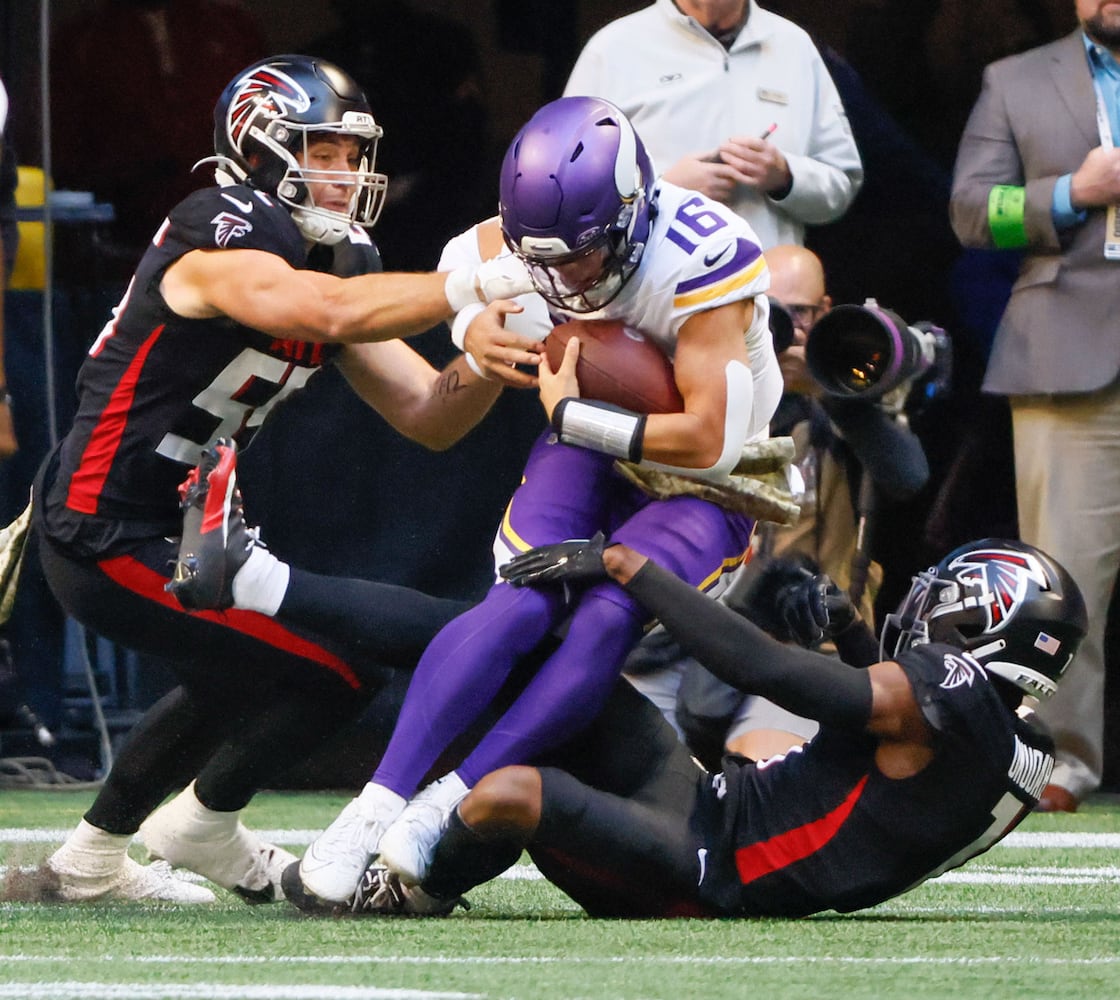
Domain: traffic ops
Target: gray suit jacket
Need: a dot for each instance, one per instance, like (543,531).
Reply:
(1035,120)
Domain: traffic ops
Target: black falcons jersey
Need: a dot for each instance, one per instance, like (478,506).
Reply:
(822,828)
(156,388)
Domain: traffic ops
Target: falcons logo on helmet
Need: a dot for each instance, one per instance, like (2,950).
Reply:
(265,92)
(1000,578)
(228,226)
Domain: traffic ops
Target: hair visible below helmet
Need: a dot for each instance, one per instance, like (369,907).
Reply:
(1009,605)
(267,116)
(577,185)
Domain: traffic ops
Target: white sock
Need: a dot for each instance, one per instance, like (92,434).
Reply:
(448,791)
(196,818)
(93,852)
(378,801)
(260,585)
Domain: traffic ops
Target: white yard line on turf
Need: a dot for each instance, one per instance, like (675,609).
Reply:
(503,960)
(1109,841)
(213,991)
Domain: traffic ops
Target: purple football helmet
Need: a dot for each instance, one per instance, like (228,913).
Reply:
(576,201)
(1006,603)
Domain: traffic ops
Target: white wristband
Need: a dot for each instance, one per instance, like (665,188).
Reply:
(462,320)
(599,427)
(460,289)
(474,366)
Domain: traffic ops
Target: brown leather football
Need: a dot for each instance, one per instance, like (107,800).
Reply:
(617,364)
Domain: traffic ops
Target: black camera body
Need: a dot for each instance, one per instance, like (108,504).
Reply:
(867,351)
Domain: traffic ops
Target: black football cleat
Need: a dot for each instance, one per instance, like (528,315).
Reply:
(215,543)
(296,893)
(382,893)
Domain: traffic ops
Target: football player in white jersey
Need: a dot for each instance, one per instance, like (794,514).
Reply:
(602,238)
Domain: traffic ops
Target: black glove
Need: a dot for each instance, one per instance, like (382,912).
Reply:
(758,600)
(813,608)
(577,561)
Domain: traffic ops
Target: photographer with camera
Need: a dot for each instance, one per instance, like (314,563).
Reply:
(845,391)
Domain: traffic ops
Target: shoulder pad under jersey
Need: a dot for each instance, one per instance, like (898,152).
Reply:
(236,218)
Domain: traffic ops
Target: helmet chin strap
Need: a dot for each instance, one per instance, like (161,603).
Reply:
(317,228)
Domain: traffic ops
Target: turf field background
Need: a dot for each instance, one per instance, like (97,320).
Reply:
(1039,918)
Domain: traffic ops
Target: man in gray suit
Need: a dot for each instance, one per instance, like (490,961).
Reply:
(1038,170)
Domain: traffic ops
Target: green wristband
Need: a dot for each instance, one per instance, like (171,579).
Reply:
(1007,207)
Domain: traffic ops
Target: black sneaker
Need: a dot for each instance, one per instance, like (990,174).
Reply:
(216,542)
(382,893)
(296,893)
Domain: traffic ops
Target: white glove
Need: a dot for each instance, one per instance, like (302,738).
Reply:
(503,277)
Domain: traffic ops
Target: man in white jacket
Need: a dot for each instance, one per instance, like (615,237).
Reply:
(735,102)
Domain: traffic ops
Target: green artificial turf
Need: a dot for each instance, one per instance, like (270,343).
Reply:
(1041,920)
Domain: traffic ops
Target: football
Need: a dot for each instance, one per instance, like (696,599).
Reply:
(617,364)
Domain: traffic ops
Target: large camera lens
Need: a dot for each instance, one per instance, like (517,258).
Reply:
(861,351)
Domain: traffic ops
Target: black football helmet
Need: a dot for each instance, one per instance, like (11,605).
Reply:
(265,118)
(1007,604)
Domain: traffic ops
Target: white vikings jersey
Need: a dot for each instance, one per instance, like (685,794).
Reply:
(700,255)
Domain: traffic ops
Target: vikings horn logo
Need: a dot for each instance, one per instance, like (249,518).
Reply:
(266,93)
(999,579)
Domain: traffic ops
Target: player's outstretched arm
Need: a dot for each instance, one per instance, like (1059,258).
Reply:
(431,407)
(735,650)
(739,653)
(262,291)
(878,700)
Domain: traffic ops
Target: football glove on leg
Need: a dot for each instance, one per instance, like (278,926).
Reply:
(579,560)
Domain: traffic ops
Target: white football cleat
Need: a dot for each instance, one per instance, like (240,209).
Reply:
(130,881)
(334,862)
(216,845)
(93,864)
(261,883)
(408,845)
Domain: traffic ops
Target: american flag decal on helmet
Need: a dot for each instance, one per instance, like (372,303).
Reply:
(265,92)
(1003,577)
(1047,643)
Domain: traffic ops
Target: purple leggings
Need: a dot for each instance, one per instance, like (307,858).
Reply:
(566,493)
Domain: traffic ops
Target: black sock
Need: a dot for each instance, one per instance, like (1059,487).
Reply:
(390,623)
(464,859)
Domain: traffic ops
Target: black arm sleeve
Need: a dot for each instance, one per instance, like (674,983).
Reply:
(857,645)
(741,654)
(892,454)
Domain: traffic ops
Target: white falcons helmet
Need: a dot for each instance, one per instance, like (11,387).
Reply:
(1007,604)
(268,115)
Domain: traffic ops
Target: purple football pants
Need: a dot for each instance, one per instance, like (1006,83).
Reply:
(566,493)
